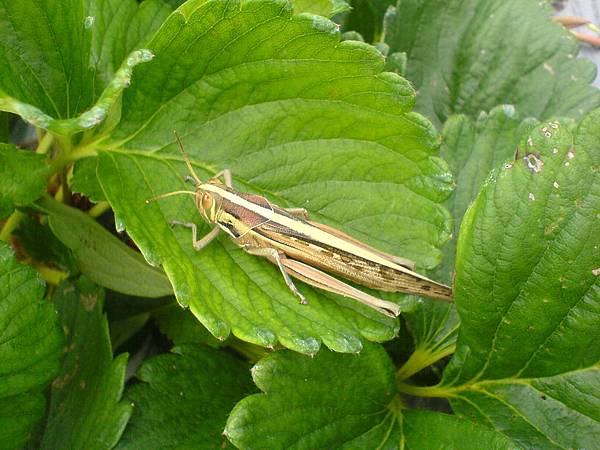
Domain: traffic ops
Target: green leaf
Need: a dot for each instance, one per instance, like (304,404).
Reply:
(86,410)
(23,176)
(342,401)
(473,149)
(103,257)
(184,399)
(62,65)
(528,293)
(467,56)
(330,132)
(30,349)
(325,8)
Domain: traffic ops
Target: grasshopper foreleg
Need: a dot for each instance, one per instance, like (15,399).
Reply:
(277,258)
(198,244)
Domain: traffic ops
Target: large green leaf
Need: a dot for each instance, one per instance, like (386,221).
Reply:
(302,119)
(23,176)
(30,349)
(528,293)
(101,256)
(184,398)
(467,56)
(342,401)
(60,60)
(86,410)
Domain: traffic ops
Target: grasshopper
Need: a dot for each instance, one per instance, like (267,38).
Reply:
(300,247)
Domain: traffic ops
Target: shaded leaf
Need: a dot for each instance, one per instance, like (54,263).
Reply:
(103,257)
(342,401)
(181,327)
(366,18)
(23,176)
(434,327)
(528,293)
(38,242)
(30,349)
(467,56)
(86,410)
(184,399)
(328,132)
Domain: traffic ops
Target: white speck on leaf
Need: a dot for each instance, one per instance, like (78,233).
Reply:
(555,184)
(596,271)
(508,166)
(89,22)
(570,154)
(548,67)
(533,163)
(531,196)
(530,141)
(554,151)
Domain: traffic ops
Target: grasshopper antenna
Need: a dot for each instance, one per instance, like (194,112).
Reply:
(187,160)
(170,194)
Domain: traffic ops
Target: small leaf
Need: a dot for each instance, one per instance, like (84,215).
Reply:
(101,256)
(467,56)
(30,349)
(528,293)
(79,69)
(342,401)
(86,410)
(328,132)
(184,399)
(23,176)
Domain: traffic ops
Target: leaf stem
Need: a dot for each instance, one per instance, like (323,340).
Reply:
(420,359)
(425,391)
(10,225)
(50,275)
(45,143)
(98,209)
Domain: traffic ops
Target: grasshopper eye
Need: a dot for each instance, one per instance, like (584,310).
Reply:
(207,201)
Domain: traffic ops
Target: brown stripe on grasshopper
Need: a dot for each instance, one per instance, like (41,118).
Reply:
(298,246)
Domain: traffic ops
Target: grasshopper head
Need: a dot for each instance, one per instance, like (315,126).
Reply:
(207,204)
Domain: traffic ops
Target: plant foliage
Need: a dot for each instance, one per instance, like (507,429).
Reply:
(459,134)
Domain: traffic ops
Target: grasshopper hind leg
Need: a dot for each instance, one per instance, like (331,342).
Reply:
(277,258)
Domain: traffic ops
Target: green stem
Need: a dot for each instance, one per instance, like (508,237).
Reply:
(45,143)
(10,225)
(98,209)
(425,391)
(420,359)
